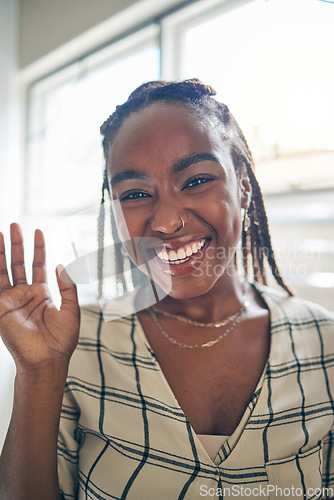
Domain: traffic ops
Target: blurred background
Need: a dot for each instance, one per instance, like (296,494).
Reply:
(65,65)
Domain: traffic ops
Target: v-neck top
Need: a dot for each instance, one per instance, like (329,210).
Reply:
(124,435)
(212,443)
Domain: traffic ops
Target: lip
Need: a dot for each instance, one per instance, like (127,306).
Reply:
(177,243)
(186,267)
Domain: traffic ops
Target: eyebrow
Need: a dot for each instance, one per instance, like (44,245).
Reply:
(189,160)
(126,175)
(178,166)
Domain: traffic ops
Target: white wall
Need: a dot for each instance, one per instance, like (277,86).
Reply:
(48,24)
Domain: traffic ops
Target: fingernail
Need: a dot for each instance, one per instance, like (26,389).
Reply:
(60,268)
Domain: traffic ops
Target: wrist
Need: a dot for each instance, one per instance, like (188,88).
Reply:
(38,393)
(49,367)
(44,373)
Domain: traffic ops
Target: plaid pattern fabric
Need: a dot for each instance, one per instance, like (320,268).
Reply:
(124,435)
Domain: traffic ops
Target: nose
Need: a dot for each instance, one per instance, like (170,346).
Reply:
(166,218)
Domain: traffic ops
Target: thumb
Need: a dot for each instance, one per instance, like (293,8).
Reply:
(67,289)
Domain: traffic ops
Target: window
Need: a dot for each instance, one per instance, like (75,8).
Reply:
(270,62)
(65,159)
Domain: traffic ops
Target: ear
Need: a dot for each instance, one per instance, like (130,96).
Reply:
(245,188)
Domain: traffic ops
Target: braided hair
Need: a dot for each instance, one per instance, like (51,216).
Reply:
(257,252)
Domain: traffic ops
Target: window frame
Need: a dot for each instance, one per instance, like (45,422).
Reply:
(169,28)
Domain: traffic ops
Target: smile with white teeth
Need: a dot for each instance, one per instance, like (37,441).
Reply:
(180,254)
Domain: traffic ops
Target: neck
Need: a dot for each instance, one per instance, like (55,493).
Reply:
(222,300)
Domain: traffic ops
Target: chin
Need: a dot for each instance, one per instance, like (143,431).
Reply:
(198,287)
(182,283)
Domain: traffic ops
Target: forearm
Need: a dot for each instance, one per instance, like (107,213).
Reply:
(28,464)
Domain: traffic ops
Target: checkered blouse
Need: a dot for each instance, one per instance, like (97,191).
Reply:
(124,435)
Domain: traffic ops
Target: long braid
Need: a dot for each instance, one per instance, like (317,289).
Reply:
(119,260)
(245,244)
(100,241)
(263,230)
(256,241)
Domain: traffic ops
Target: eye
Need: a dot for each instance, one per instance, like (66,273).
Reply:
(198,181)
(133,195)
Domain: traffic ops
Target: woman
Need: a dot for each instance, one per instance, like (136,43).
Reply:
(222,389)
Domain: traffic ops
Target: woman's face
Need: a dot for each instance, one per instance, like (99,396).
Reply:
(166,164)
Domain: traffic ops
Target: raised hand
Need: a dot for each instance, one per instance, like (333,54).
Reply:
(35,332)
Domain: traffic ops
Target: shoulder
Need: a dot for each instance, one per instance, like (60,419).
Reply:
(117,316)
(103,341)
(97,322)
(294,319)
(91,315)
(295,308)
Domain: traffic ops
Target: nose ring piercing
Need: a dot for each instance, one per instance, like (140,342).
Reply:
(183,223)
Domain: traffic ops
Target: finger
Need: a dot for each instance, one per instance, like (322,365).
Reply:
(4,278)
(67,289)
(17,265)
(38,266)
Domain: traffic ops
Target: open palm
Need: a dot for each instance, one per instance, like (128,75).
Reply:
(32,328)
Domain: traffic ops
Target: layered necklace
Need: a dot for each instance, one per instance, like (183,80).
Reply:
(234,319)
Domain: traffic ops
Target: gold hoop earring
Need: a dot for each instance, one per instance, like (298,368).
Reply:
(247,222)
(182,221)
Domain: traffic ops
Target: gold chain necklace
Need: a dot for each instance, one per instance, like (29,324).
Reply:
(235,318)
(219,324)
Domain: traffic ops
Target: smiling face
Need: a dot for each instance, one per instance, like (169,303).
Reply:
(166,164)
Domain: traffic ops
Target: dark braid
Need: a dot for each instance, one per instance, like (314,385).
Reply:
(245,242)
(257,249)
(100,238)
(119,260)
(261,228)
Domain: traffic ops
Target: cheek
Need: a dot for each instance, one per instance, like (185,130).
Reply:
(130,229)
(237,224)
(228,224)
(228,216)
(120,220)
(129,223)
